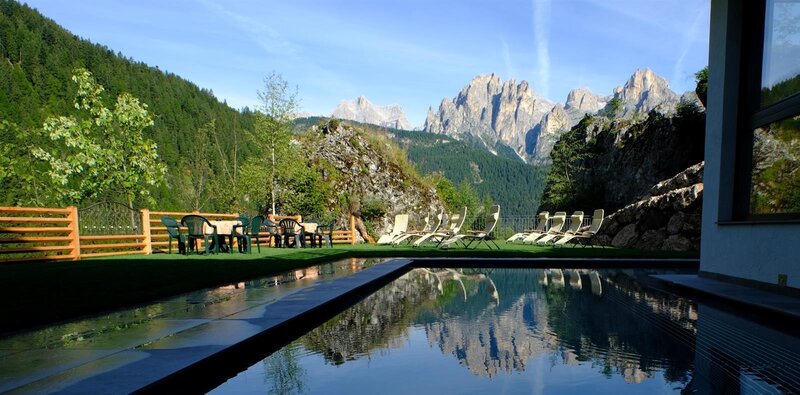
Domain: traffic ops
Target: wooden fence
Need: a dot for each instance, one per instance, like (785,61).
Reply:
(40,234)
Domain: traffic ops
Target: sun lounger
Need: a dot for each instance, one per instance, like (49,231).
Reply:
(584,236)
(400,226)
(575,223)
(478,236)
(556,224)
(432,223)
(454,228)
(541,227)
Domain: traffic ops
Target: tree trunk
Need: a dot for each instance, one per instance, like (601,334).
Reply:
(362,230)
(272,181)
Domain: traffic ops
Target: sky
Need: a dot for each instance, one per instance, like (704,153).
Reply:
(412,52)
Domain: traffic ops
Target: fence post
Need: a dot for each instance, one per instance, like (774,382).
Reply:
(148,237)
(74,235)
(352,230)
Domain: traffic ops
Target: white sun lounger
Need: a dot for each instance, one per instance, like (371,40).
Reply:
(575,223)
(556,224)
(400,226)
(583,236)
(479,236)
(541,227)
(432,223)
(456,222)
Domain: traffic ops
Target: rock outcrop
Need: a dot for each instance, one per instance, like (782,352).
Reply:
(667,219)
(362,110)
(360,167)
(645,91)
(493,111)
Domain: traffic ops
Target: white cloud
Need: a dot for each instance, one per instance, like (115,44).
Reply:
(541,32)
(678,72)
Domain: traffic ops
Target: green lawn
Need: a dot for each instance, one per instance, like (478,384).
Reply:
(45,292)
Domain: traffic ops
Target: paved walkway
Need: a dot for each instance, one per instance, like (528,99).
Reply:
(127,350)
(765,300)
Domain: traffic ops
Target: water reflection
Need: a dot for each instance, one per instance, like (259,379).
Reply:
(524,326)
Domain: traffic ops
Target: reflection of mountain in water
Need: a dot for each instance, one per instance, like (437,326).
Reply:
(496,321)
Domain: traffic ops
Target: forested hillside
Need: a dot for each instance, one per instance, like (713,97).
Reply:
(512,184)
(37,59)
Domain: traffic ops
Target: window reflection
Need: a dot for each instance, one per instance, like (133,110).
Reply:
(776,168)
(780,76)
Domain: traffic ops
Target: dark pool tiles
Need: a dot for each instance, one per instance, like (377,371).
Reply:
(756,297)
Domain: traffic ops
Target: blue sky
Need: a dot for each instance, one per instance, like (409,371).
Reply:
(413,52)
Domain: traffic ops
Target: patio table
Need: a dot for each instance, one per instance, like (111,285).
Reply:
(224,229)
(311,230)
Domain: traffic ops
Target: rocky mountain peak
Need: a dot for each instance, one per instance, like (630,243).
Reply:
(646,91)
(583,100)
(362,110)
(494,111)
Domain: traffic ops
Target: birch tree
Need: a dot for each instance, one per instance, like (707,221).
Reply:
(277,103)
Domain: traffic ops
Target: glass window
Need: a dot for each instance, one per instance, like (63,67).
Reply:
(775,182)
(780,69)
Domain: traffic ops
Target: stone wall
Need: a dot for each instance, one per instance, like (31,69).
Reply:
(667,219)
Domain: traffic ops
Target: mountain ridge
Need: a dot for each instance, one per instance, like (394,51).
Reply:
(514,114)
(362,110)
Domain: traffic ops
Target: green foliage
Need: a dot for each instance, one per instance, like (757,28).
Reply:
(612,108)
(333,124)
(37,58)
(701,77)
(374,209)
(568,161)
(101,151)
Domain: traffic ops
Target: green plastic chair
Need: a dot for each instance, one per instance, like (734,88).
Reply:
(174,232)
(325,232)
(252,232)
(240,230)
(292,230)
(194,229)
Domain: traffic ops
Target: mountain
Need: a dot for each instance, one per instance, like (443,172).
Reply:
(491,110)
(514,115)
(646,91)
(511,183)
(362,110)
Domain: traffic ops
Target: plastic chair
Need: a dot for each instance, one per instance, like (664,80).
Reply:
(252,232)
(174,232)
(291,229)
(325,232)
(239,234)
(194,229)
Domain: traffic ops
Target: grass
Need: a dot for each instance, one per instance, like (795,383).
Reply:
(35,294)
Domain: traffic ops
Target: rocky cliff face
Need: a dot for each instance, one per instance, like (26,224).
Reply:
(514,115)
(492,111)
(609,164)
(362,110)
(644,92)
(361,166)
(667,219)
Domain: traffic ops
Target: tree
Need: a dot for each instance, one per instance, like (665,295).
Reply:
(273,128)
(102,150)
(701,77)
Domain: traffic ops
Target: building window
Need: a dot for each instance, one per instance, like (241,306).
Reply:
(771,120)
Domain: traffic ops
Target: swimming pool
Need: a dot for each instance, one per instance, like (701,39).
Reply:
(529,331)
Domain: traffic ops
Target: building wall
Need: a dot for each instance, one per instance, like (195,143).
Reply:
(751,251)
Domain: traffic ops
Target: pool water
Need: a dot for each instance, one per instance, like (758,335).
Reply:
(475,331)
